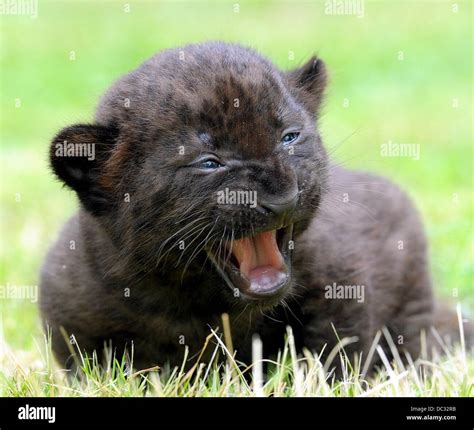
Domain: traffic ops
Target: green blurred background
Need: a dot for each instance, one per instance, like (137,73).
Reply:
(400,73)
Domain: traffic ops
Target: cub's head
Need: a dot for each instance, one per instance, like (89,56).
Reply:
(205,156)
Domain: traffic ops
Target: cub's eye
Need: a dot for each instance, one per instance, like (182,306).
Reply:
(289,138)
(209,164)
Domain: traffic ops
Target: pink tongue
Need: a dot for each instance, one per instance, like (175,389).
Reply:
(260,260)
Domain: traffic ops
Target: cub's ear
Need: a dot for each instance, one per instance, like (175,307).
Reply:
(309,81)
(77,156)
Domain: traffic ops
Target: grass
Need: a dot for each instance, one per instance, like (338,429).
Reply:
(403,73)
(288,376)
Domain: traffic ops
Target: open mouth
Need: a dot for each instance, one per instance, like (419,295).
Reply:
(259,266)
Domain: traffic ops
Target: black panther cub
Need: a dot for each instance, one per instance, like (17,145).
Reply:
(209,192)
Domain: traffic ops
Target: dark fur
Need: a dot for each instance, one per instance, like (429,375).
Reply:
(140,125)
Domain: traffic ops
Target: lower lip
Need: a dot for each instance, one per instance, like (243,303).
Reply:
(266,281)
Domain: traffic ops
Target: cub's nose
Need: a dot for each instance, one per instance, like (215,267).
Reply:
(282,209)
